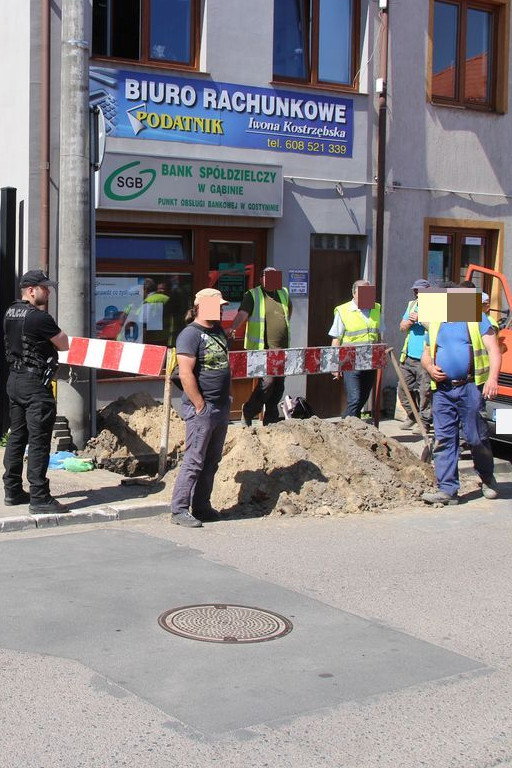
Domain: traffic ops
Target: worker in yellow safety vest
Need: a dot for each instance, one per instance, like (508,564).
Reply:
(267,310)
(357,321)
(463,361)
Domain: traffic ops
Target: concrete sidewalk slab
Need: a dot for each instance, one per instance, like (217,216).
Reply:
(94,497)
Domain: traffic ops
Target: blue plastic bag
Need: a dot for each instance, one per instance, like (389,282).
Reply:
(57,459)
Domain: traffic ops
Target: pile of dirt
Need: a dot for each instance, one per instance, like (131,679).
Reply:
(309,467)
(316,467)
(129,434)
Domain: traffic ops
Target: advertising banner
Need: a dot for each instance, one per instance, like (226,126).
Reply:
(168,108)
(148,183)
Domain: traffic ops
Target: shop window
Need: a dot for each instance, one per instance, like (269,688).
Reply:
(137,248)
(143,309)
(316,41)
(451,252)
(144,287)
(147,31)
(468,52)
(231,270)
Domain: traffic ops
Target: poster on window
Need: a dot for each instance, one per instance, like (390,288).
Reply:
(168,108)
(119,302)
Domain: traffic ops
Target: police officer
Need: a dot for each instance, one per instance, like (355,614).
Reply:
(32,339)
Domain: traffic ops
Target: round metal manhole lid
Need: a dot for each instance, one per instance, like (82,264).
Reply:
(221,623)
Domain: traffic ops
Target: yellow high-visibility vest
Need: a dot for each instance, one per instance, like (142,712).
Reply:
(255,328)
(359,328)
(480,356)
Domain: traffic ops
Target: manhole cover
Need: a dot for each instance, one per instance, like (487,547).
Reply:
(221,623)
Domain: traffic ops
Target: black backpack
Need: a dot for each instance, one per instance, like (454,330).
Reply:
(299,408)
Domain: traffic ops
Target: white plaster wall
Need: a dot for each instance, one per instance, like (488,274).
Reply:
(14,97)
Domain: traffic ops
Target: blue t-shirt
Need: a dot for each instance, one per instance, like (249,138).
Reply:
(453,348)
(416,340)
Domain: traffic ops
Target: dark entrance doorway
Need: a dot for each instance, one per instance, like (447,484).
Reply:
(332,273)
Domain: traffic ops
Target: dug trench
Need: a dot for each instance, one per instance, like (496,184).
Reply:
(295,467)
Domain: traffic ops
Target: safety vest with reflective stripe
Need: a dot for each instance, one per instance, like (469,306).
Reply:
(358,327)
(480,356)
(403,353)
(255,328)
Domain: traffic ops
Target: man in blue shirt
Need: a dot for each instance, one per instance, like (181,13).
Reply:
(463,361)
(416,377)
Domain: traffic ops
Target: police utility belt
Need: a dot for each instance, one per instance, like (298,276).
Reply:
(45,374)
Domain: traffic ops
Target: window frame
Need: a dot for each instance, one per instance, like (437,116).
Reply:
(493,231)
(144,44)
(311,11)
(498,102)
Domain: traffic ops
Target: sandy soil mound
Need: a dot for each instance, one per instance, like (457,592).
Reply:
(311,467)
(129,434)
(315,467)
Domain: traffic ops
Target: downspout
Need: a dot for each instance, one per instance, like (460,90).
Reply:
(382,90)
(44,175)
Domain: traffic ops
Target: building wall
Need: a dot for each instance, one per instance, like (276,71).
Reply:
(438,148)
(15,98)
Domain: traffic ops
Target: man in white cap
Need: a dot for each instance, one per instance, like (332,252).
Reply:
(416,377)
(486,309)
(202,351)
(267,310)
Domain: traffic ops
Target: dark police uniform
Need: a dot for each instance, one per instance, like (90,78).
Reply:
(32,359)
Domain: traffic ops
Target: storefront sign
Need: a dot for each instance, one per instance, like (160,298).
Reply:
(298,282)
(221,114)
(149,183)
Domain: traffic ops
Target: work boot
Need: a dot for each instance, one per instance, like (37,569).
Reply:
(245,420)
(490,490)
(407,424)
(50,507)
(208,515)
(22,497)
(440,497)
(186,520)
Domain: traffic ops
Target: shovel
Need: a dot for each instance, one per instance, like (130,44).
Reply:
(426,454)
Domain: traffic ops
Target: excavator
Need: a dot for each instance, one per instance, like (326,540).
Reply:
(504,318)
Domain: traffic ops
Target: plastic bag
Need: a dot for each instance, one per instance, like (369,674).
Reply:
(57,459)
(78,465)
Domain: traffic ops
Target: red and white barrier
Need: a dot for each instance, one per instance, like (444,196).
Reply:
(145,359)
(306,360)
(149,360)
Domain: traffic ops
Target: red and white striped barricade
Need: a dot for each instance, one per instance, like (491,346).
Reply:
(145,359)
(149,359)
(298,361)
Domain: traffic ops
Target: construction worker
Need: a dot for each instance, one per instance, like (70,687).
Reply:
(354,323)
(267,310)
(463,361)
(416,377)
(486,309)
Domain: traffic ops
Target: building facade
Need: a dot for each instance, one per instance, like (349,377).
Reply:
(241,135)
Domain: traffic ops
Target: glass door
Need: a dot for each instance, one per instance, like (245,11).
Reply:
(231,260)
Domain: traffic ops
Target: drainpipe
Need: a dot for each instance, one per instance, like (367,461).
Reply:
(382,87)
(44,144)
